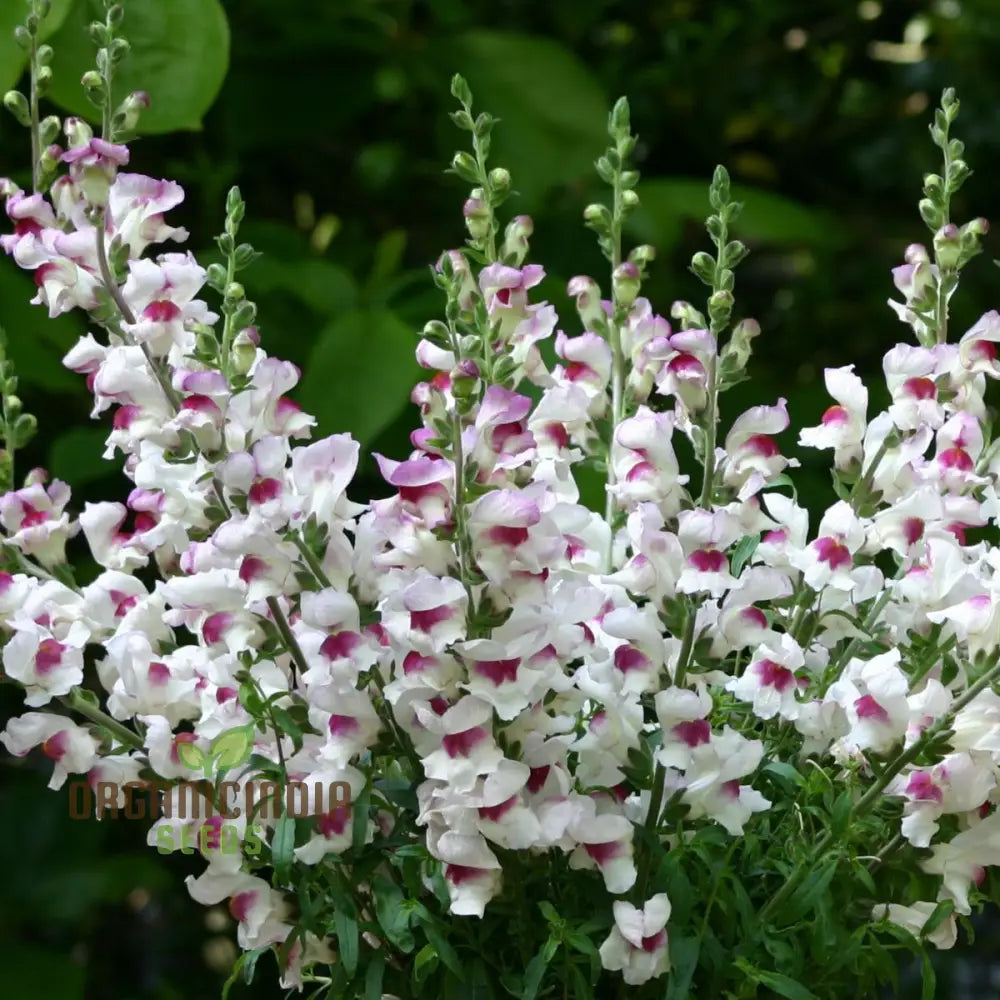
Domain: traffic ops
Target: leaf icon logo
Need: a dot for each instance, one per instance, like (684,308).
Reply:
(231,748)
(192,756)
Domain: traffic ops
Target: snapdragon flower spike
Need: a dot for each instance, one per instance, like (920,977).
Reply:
(481,632)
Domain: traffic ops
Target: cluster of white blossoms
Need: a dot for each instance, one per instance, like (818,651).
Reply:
(516,648)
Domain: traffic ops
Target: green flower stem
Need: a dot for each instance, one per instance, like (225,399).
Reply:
(36,141)
(227,322)
(314,565)
(287,637)
(77,703)
(868,800)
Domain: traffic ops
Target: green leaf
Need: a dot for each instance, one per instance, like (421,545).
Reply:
(928,986)
(684,951)
(191,756)
(75,456)
(13,59)
(393,914)
(553,112)
(667,203)
(840,815)
(745,548)
(425,963)
(232,747)
(534,974)
(347,940)
(442,947)
(784,986)
(373,977)
(360,373)
(179,56)
(35,343)
(938,916)
(808,893)
(282,846)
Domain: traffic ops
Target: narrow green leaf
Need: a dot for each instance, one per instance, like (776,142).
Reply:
(443,948)
(282,846)
(684,951)
(938,916)
(347,940)
(374,976)
(805,897)
(784,986)
(534,975)
(392,913)
(929,980)
(745,548)
(425,963)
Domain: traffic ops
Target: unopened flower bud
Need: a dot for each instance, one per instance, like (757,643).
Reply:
(625,283)
(216,274)
(933,184)
(737,351)
(597,214)
(462,386)
(244,315)
(127,115)
(979,227)
(477,217)
(244,351)
(436,332)
(515,240)
(948,246)
(78,132)
(95,185)
(686,314)
(721,303)
(48,129)
(629,199)
(643,255)
(930,213)
(916,253)
(499,179)
(703,265)
(17,104)
(235,292)
(93,85)
(466,167)
(588,300)
(205,340)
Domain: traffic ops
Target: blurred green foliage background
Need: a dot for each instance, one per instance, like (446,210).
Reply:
(332,117)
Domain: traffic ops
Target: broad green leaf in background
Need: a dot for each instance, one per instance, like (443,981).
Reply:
(35,343)
(553,111)
(666,203)
(75,456)
(179,56)
(360,373)
(13,58)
